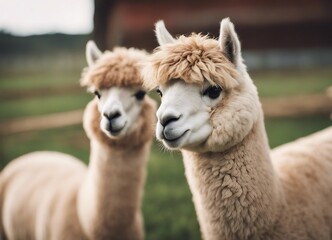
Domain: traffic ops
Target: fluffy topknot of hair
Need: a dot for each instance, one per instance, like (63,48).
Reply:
(117,68)
(193,59)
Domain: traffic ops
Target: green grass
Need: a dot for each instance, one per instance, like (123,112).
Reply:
(33,80)
(71,140)
(168,209)
(45,105)
(283,130)
(278,83)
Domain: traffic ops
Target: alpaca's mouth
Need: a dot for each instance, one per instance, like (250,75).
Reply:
(173,141)
(115,130)
(172,138)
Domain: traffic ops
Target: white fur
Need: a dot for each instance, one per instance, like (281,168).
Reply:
(120,100)
(192,110)
(227,33)
(163,36)
(92,52)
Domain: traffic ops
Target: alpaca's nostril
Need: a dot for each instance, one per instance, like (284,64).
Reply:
(112,115)
(168,119)
(115,115)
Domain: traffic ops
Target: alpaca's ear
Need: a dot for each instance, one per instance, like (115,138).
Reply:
(163,36)
(229,41)
(92,52)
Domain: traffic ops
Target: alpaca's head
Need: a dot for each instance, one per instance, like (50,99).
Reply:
(114,77)
(209,102)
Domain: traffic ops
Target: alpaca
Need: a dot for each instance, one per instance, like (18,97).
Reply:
(50,195)
(210,110)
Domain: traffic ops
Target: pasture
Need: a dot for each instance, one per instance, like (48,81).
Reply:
(168,209)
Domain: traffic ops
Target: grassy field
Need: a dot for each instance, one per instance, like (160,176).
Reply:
(168,208)
(292,82)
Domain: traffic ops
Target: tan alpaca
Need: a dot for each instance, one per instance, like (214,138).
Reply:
(50,195)
(211,111)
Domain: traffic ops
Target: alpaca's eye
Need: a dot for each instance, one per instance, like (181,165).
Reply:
(140,95)
(213,92)
(97,94)
(159,92)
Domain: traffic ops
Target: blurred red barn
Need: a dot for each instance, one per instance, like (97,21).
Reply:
(260,24)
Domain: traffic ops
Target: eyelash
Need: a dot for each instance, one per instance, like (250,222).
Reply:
(159,92)
(97,94)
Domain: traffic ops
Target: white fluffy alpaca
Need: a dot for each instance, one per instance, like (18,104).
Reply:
(50,195)
(211,111)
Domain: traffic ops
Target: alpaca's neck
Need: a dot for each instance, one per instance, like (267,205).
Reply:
(235,192)
(110,197)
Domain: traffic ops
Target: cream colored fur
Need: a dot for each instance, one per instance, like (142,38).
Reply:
(241,189)
(50,195)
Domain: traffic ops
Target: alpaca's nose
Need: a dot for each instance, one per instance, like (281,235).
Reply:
(112,115)
(168,118)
